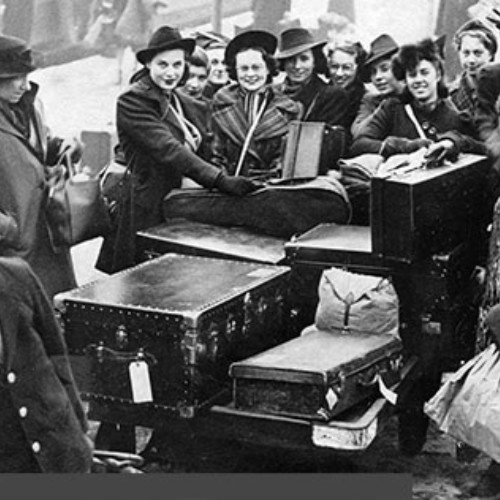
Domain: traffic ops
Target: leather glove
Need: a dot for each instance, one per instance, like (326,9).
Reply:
(397,145)
(236,186)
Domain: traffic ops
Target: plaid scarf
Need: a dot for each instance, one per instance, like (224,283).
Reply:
(464,96)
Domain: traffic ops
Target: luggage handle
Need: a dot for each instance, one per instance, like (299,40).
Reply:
(102,352)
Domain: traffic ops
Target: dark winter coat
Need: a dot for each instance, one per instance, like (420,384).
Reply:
(486,114)
(152,142)
(42,422)
(390,131)
(230,126)
(321,102)
(23,192)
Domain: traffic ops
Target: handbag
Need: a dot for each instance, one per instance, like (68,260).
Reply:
(76,210)
(351,302)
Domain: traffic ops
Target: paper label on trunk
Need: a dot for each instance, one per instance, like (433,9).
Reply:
(328,436)
(331,398)
(391,396)
(140,382)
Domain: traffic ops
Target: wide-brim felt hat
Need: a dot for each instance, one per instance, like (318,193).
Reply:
(16,58)
(253,38)
(383,47)
(294,41)
(165,38)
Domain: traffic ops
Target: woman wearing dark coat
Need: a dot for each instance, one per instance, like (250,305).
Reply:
(391,129)
(161,132)
(42,421)
(26,149)
(303,60)
(251,103)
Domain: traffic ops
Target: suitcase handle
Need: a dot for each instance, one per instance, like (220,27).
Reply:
(102,352)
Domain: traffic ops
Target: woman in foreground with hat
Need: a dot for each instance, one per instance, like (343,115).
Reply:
(377,69)
(250,118)
(303,60)
(160,132)
(26,149)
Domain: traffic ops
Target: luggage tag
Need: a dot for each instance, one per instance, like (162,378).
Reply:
(140,381)
(391,396)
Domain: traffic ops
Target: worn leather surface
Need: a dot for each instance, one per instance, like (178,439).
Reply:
(224,241)
(175,283)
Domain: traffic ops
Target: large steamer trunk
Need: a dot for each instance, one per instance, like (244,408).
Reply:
(427,211)
(194,238)
(318,375)
(437,310)
(187,317)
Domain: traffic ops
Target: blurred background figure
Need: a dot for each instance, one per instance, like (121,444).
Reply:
(476,45)
(345,60)
(214,45)
(198,74)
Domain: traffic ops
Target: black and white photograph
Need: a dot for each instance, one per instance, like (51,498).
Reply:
(250,248)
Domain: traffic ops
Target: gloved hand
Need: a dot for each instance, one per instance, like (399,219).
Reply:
(236,186)
(438,151)
(397,145)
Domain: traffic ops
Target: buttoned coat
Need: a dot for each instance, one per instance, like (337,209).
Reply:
(390,120)
(230,126)
(35,372)
(23,194)
(152,142)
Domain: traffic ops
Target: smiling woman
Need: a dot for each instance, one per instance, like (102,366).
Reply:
(250,118)
(421,116)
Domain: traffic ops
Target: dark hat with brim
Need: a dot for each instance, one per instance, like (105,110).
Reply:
(294,41)
(165,38)
(211,40)
(249,39)
(383,47)
(16,59)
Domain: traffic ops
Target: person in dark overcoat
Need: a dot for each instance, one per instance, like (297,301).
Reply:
(42,421)
(251,104)
(26,150)
(377,70)
(345,61)
(392,128)
(303,60)
(160,132)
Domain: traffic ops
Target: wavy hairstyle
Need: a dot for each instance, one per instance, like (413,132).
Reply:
(269,60)
(410,56)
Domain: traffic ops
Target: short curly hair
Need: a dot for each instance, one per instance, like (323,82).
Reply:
(410,56)
(269,60)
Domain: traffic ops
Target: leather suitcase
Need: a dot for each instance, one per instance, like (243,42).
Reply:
(187,317)
(194,238)
(427,211)
(317,375)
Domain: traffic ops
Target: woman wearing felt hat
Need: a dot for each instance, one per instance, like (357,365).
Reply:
(250,118)
(377,70)
(26,149)
(303,60)
(161,133)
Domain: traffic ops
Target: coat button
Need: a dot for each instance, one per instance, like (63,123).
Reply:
(36,447)
(23,411)
(11,377)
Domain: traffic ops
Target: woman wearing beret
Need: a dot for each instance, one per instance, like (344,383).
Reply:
(476,45)
(421,116)
(160,132)
(42,421)
(250,118)
(377,70)
(26,149)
